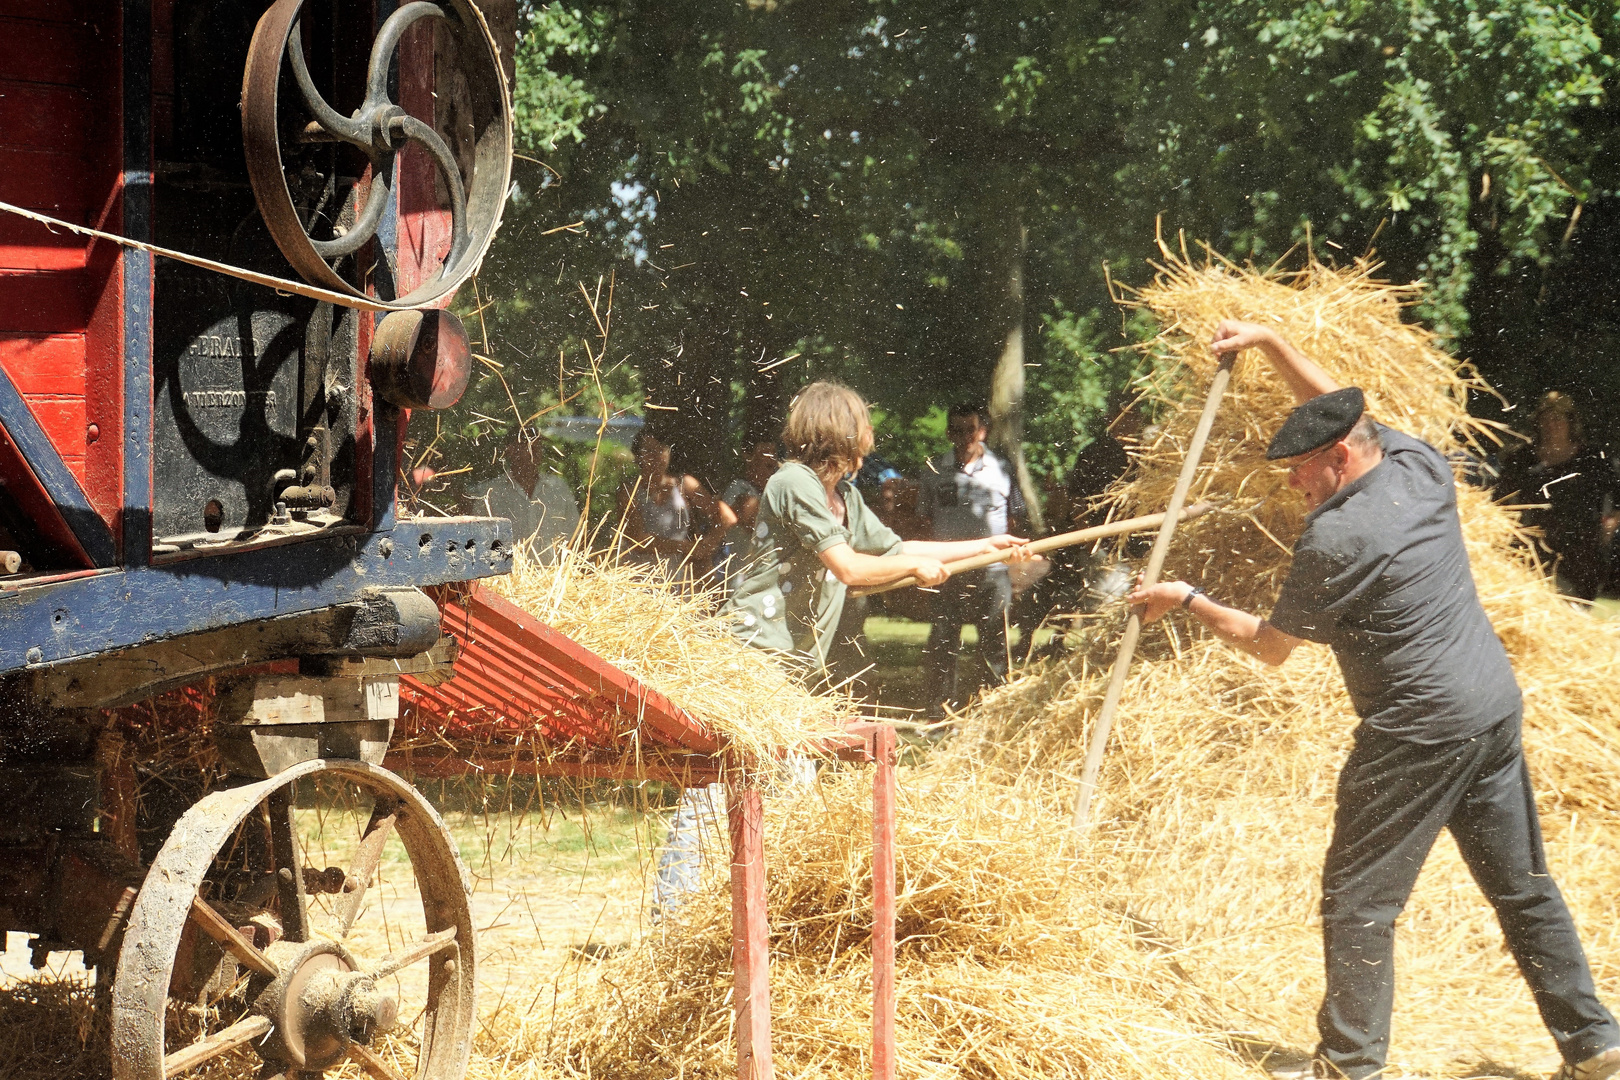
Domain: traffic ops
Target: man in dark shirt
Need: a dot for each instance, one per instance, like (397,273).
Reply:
(1381,575)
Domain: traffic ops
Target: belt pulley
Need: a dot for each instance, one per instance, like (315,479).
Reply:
(285,116)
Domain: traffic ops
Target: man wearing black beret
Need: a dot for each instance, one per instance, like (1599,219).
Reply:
(1380,574)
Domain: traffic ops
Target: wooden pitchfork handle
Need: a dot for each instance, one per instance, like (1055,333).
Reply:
(1048,543)
(1150,576)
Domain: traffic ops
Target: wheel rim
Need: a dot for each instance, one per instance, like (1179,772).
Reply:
(301,1005)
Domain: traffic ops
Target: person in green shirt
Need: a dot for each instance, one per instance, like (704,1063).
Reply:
(814,535)
(813,538)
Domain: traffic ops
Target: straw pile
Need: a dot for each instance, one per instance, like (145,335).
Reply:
(1011,964)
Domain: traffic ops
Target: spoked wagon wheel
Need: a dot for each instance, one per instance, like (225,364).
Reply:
(248,955)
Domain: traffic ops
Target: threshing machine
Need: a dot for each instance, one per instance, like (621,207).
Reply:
(198,461)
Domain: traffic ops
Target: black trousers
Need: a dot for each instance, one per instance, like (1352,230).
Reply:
(1394,798)
(979,597)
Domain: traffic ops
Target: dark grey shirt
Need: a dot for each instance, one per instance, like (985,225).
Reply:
(1381,575)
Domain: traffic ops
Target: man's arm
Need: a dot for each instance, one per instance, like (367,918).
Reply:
(1239,629)
(1302,375)
(721,518)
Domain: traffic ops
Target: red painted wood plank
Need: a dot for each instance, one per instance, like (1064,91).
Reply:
(54,181)
(62,420)
(44,363)
(694,771)
(38,117)
(750,934)
(425,228)
(46,303)
(56,11)
(104,338)
(28,245)
(883,751)
(162,61)
(41,52)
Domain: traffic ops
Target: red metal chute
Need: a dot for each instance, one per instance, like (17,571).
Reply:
(517,680)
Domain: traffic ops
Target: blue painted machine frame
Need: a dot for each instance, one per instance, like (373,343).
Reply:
(95,612)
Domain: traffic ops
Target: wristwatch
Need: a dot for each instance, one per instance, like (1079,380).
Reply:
(1186,601)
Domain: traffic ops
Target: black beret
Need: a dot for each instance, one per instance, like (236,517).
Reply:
(1324,419)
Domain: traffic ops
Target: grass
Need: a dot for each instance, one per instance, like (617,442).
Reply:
(572,843)
(894,649)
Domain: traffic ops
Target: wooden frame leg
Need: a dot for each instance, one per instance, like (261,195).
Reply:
(883,754)
(750,933)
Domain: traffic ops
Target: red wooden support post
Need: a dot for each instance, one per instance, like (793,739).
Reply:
(883,753)
(750,933)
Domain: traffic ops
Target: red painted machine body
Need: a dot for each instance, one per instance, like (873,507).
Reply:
(62,297)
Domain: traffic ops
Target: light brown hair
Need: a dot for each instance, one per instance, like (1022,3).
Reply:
(828,429)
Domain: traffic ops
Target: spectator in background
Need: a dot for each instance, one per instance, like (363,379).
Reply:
(1572,492)
(658,508)
(1085,578)
(539,503)
(1096,468)
(742,496)
(877,481)
(968,494)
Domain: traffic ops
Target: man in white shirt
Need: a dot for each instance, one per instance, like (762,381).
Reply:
(968,494)
(539,503)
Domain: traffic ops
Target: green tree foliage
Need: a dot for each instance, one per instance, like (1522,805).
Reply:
(844,181)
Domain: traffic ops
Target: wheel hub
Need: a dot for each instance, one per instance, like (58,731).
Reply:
(321,1005)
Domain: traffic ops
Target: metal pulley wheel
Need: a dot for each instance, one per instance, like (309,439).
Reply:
(287,123)
(248,953)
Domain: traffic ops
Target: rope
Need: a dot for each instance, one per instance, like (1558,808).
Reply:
(270,281)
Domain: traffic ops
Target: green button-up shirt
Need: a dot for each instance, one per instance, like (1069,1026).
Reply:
(788,601)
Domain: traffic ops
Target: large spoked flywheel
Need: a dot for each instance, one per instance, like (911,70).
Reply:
(291,924)
(303,150)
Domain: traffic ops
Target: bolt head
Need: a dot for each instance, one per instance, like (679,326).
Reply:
(385,1015)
